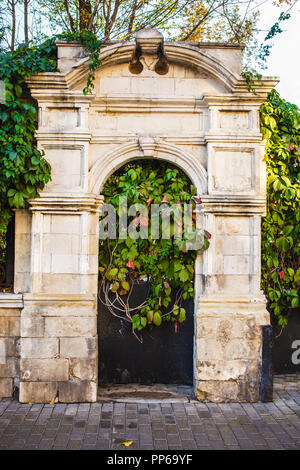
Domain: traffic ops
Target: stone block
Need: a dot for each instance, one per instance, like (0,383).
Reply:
(77,391)
(70,326)
(220,391)
(65,224)
(8,347)
(38,392)
(233,245)
(9,326)
(8,311)
(232,225)
(6,388)
(44,370)
(21,282)
(225,283)
(61,283)
(232,171)
(67,264)
(22,253)
(221,369)
(83,369)
(39,348)
(78,347)
(236,264)
(23,219)
(233,120)
(10,368)
(32,326)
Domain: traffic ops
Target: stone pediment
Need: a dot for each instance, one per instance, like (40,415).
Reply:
(218,61)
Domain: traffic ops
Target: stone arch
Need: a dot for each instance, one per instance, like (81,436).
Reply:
(178,53)
(105,166)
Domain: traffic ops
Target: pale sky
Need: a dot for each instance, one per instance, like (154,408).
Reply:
(284,60)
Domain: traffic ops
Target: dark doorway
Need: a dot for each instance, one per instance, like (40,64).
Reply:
(7,257)
(164,357)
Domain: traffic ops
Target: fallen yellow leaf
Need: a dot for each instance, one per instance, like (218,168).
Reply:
(128,443)
(51,402)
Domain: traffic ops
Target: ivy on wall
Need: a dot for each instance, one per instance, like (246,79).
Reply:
(23,170)
(280,125)
(167,265)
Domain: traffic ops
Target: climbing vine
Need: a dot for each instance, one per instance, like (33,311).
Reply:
(280,125)
(23,169)
(166,264)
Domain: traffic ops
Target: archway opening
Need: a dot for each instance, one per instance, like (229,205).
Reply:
(146,279)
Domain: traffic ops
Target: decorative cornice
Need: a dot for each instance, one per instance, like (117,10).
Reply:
(219,306)
(54,298)
(244,136)
(54,97)
(11,300)
(119,138)
(233,205)
(48,135)
(239,101)
(59,202)
(136,104)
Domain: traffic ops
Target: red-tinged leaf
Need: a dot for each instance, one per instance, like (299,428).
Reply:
(130,264)
(165,199)
(197,200)
(208,235)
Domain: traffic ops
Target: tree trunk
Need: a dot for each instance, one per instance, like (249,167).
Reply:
(85,12)
(26,35)
(12,4)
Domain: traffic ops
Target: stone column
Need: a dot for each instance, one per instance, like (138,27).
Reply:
(232,308)
(58,323)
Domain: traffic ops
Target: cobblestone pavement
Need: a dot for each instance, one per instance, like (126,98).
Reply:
(158,426)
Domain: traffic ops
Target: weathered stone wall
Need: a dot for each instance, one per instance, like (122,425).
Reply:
(200,116)
(10,308)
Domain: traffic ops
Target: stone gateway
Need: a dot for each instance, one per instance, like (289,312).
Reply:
(182,102)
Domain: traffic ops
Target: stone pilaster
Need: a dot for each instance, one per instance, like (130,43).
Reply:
(58,323)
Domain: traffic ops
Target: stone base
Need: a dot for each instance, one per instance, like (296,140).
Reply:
(239,390)
(6,388)
(64,392)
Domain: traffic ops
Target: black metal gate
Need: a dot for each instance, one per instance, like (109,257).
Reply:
(164,357)
(7,247)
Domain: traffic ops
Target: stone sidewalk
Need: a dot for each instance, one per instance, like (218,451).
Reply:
(156,426)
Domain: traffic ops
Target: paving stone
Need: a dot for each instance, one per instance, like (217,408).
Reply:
(158,426)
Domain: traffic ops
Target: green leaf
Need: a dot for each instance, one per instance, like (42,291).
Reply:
(113,272)
(184,275)
(282,243)
(157,319)
(181,317)
(125,285)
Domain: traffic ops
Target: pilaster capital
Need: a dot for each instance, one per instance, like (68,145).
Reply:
(66,203)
